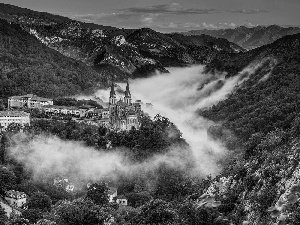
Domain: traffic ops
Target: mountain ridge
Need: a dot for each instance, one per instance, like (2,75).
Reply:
(249,37)
(108,49)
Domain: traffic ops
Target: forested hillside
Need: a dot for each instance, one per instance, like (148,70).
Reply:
(270,98)
(28,66)
(261,182)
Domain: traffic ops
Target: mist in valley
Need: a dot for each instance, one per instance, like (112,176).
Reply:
(176,95)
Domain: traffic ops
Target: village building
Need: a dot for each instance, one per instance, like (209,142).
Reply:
(121,200)
(9,117)
(28,101)
(15,198)
(112,193)
(64,110)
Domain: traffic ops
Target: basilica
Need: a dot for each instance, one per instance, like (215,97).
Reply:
(124,114)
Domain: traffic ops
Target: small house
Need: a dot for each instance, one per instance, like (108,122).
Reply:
(121,200)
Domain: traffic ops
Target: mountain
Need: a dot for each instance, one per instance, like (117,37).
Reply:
(28,66)
(249,37)
(119,53)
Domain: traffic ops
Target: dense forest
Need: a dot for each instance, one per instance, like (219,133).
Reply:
(28,66)
(175,198)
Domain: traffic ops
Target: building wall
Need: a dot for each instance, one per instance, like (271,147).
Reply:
(6,120)
(20,102)
(112,196)
(122,202)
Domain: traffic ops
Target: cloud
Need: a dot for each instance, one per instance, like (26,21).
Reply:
(249,11)
(173,8)
(157,16)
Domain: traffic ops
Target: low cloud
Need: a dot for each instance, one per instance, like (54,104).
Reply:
(155,17)
(177,96)
(173,8)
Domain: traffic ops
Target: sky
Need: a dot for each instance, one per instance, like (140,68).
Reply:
(172,15)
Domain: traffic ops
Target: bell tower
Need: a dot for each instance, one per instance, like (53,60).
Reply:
(127,98)
(112,96)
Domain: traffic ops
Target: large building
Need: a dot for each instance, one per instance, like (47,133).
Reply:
(9,117)
(28,101)
(124,114)
(64,110)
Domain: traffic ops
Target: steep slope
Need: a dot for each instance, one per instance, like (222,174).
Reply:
(269,99)
(28,66)
(260,182)
(249,38)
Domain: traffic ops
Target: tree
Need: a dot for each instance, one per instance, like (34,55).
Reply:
(157,212)
(79,212)
(3,148)
(33,215)
(3,216)
(7,177)
(45,222)
(39,200)
(98,193)
(14,127)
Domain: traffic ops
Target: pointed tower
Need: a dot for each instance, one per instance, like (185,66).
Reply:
(127,98)
(112,96)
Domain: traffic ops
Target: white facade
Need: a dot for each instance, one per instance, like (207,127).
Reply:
(64,110)
(122,201)
(28,101)
(9,117)
(112,193)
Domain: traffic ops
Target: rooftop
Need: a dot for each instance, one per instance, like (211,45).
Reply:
(32,97)
(61,107)
(121,197)
(13,113)
(36,98)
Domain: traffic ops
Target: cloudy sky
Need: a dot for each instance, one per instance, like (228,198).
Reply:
(172,15)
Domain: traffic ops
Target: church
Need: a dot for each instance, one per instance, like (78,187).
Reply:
(124,114)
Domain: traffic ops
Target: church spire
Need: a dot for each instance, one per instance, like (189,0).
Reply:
(112,96)
(127,92)
(127,98)
(112,90)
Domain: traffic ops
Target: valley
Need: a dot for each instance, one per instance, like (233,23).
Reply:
(108,125)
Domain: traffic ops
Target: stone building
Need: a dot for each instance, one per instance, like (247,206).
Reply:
(124,114)
(28,101)
(9,117)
